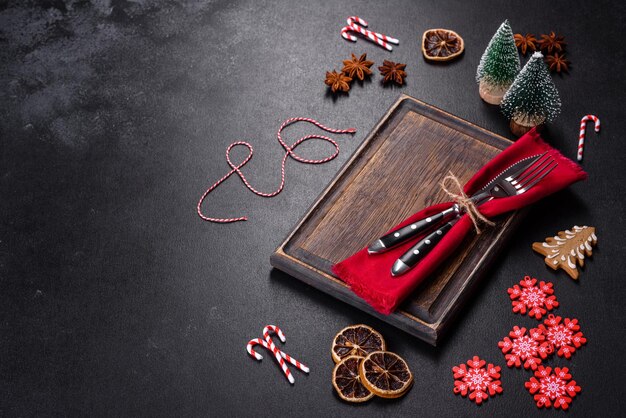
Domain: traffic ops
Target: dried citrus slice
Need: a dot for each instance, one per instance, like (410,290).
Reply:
(385,374)
(347,382)
(441,44)
(359,340)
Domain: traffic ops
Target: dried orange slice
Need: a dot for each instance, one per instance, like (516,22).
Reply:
(359,340)
(385,374)
(347,382)
(441,44)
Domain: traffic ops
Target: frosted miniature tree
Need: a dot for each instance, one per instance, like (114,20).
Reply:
(533,98)
(498,66)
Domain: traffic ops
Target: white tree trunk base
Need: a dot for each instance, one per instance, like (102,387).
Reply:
(491,94)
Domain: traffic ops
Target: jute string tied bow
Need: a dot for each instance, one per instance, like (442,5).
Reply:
(464,202)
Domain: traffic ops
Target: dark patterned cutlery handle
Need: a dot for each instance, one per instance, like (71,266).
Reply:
(405,233)
(420,250)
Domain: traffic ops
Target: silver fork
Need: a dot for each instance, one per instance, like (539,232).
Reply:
(526,179)
(516,184)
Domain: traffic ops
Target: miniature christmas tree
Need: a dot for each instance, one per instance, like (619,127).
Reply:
(532,99)
(498,66)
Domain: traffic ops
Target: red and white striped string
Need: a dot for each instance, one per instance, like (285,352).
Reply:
(236,168)
(279,355)
(358,25)
(581,134)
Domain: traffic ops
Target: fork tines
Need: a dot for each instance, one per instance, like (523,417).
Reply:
(534,173)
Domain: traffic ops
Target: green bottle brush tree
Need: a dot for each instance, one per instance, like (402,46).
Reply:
(498,66)
(532,99)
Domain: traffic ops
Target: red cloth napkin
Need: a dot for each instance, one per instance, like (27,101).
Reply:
(369,276)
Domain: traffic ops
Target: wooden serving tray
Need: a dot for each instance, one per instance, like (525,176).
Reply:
(394,173)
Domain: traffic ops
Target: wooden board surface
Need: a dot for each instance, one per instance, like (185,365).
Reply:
(394,173)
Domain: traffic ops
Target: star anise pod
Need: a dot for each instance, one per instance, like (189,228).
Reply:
(392,71)
(525,43)
(337,81)
(552,42)
(557,62)
(358,67)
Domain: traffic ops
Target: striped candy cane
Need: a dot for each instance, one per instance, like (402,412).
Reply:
(581,135)
(345,33)
(279,355)
(289,153)
(363,24)
(356,24)
(276,351)
(259,341)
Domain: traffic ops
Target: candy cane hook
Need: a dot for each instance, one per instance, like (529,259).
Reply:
(581,135)
(252,343)
(345,34)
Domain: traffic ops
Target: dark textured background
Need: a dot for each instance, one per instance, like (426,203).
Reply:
(116,299)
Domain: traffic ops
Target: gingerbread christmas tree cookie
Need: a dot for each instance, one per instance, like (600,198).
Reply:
(568,249)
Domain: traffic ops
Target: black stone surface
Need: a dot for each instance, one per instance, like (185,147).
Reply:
(116,299)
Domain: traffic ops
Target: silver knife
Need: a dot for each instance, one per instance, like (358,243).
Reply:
(514,183)
(405,233)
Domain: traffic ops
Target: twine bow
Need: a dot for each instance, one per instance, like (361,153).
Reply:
(464,202)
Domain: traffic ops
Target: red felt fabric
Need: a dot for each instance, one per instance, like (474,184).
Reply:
(369,276)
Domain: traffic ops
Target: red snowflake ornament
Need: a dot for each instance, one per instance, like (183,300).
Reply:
(528,348)
(477,380)
(552,388)
(565,336)
(536,300)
